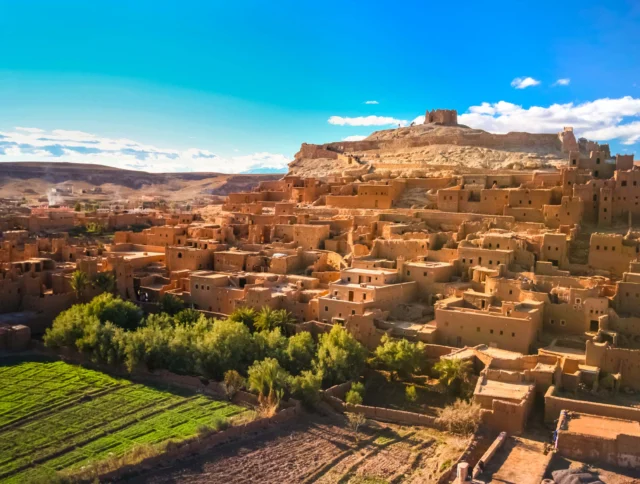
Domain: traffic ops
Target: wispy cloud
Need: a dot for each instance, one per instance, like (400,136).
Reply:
(34,144)
(355,137)
(371,102)
(600,120)
(524,82)
(562,82)
(367,121)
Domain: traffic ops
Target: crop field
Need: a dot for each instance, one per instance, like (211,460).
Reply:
(56,416)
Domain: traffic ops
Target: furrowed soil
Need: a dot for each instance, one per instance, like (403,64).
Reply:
(323,450)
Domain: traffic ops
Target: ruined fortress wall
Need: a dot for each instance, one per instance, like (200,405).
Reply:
(519,141)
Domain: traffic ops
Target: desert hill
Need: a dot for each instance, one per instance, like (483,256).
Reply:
(35,179)
(433,149)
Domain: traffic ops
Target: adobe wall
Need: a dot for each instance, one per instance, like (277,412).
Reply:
(623,451)
(554,404)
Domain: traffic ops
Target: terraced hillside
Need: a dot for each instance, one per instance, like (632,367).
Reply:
(55,416)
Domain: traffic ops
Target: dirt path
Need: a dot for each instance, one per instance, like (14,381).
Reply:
(322,450)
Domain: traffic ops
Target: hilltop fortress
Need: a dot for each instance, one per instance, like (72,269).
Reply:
(516,251)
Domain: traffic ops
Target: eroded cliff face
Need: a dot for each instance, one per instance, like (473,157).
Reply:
(432,148)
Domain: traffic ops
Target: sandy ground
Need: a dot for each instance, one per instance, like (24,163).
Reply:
(323,450)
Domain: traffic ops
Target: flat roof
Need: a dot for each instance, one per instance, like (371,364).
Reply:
(370,271)
(499,389)
(582,423)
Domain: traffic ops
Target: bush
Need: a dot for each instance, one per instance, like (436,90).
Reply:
(411,394)
(340,356)
(355,395)
(461,417)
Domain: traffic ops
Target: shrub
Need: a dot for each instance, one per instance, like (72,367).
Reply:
(233,383)
(269,319)
(356,421)
(411,394)
(340,356)
(461,417)
(355,395)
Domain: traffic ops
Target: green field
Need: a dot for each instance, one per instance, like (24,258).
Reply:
(56,416)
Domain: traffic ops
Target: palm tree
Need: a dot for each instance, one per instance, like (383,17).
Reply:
(105,281)
(244,315)
(269,319)
(453,373)
(79,283)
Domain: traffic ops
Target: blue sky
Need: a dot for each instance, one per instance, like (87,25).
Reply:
(238,86)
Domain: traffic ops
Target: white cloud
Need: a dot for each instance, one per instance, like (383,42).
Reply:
(367,121)
(599,120)
(562,82)
(34,144)
(524,82)
(371,102)
(355,137)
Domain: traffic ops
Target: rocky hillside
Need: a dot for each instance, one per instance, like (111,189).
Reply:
(35,179)
(430,149)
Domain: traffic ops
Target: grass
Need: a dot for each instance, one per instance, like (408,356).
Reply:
(59,417)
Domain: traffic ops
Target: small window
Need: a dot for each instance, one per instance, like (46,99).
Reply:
(491,331)
(563,322)
(513,335)
(478,329)
(326,308)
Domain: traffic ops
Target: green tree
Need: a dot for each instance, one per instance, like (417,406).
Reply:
(269,319)
(270,344)
(268,379)
(266,320)
(107,307)
(105,281)
(227,346)
(79,283)
(171,304)
(306,387)
(340,356)
(77,207)
(453,373)
(399,356)
(301,350)
(187,316)
(244,315)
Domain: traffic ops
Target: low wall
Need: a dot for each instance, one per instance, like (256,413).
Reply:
(622,451)
(334,397)
(554,404)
